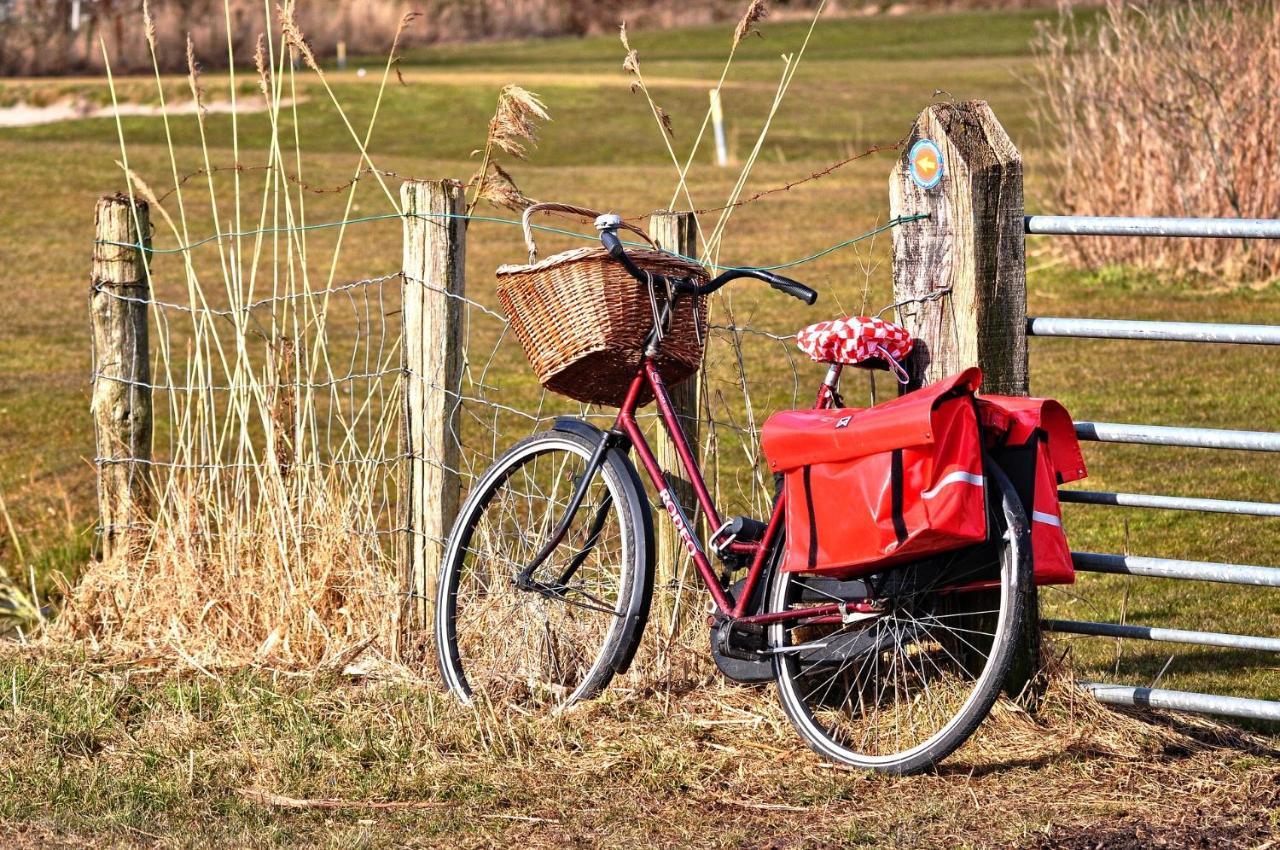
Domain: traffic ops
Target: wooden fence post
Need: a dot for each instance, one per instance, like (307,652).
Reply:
(961,168)
(434,281)
(121,402)
(970,247)
(677,232)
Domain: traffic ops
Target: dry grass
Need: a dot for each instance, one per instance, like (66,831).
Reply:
(102,753)
(1167,109)
(272,540)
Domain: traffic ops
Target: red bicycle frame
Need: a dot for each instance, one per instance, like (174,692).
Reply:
(648,375)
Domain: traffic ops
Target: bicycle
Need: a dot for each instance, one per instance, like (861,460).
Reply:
(547,579)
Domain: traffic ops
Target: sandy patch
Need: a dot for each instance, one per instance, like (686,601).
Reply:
(28,115)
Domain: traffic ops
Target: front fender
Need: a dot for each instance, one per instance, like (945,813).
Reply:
(638,505)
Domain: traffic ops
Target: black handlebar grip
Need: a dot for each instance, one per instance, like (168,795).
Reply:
(612,244)
(793,288)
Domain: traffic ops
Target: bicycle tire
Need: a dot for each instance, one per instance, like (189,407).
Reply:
(634,585)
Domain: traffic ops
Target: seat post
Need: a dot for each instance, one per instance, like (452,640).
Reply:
(829,391)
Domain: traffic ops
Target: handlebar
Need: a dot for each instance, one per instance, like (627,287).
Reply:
(609,238)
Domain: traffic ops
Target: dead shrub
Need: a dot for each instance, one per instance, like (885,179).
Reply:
(1167,110)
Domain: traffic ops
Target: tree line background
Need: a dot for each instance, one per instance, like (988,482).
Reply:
(37,37)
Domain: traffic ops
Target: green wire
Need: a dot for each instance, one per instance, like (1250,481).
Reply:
(497,220)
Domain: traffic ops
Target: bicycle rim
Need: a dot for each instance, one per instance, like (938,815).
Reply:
(900,690)
(551,648)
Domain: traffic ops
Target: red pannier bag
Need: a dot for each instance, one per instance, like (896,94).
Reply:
(1033,440)
(869,488)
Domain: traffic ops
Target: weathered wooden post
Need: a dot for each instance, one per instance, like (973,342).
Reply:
(434,281)
(121,405)
(968,259)
(960,167)
(678,232)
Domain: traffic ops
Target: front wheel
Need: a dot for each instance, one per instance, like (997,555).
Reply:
(552,636)
(901,685)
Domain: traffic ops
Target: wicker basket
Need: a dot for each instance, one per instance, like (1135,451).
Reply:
(582,318)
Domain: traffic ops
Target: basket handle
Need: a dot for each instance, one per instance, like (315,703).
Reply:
(569,210)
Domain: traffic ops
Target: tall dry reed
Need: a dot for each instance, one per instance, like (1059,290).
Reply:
(1167,109)
(277,403)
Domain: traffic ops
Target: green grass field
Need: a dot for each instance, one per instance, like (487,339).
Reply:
(91,753)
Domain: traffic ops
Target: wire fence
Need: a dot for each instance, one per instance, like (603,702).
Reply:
(279,455)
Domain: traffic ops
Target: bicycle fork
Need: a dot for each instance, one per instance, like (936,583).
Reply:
(609,440)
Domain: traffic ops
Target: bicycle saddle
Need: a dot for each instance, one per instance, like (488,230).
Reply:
(856,341)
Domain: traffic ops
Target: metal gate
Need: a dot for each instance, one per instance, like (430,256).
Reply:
(1161,435)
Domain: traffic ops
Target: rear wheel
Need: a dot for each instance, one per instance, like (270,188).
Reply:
(911,672)
(559,636)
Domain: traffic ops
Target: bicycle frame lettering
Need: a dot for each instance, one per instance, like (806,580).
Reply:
(680,520)
(648,375)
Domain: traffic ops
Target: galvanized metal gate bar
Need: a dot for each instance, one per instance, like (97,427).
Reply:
(1100,225)
(1172,503)
(1250,709)
(1166,435)
(1159,331)
(1162,435)
(1126,630)
(1133,565)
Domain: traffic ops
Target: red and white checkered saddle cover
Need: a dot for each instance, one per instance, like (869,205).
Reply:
(854,340)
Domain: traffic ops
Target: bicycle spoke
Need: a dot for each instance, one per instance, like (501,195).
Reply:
(889,688)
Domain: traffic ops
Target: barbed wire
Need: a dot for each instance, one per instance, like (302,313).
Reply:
(368,171)
(292,178)
(230,312)
(276,385)
(816,175)
(239,234)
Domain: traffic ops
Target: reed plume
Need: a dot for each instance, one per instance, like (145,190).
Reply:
(756,12)
(513,127)
(193,77)
(499,189)
(294,38)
